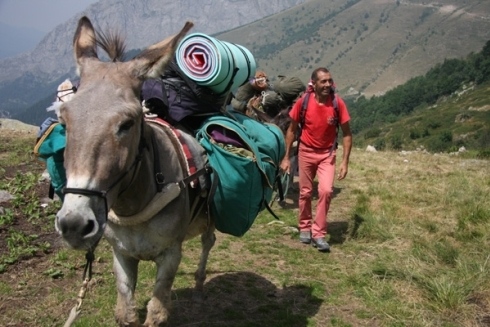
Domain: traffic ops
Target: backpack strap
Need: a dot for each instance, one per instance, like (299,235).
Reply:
(335,103)
(51,191)
(302,115)
(267,206)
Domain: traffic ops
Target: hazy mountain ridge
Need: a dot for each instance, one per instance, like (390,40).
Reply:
(142,22)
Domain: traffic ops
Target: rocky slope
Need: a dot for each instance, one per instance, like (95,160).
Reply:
(371,46)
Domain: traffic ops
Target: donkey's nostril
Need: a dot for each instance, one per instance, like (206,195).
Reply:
(62,227)
(89,228)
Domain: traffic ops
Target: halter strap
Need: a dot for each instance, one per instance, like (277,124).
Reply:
(103,194)
(158,175)
(73,90)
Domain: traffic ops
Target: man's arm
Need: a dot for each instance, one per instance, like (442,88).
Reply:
(289,139)
(347,146)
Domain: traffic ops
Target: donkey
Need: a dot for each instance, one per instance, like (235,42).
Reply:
(126,177)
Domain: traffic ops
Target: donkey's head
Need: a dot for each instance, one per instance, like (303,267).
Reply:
(104,129)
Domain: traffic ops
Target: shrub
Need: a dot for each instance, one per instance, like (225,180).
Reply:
(438,145)
(372,133)
(446,137)
(484,138)
(433,124)
(396,142)
(380,144)
(414,134)
(483,154)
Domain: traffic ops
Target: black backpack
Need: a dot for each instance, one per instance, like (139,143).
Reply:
(178,99)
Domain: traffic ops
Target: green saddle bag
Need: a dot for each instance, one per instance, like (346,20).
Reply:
(244,155)
(50,148)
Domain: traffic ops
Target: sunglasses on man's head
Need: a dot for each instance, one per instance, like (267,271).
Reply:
(261,80)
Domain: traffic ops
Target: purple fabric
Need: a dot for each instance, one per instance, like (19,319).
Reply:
(222,135)
(152,89)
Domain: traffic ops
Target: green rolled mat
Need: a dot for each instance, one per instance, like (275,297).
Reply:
(219,65)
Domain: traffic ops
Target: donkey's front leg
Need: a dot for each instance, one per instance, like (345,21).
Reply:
(207,242)
(159,306)
(126,271)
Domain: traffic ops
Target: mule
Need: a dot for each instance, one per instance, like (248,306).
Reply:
(126,177)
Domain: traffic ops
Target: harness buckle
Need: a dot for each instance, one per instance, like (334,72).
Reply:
(159,178)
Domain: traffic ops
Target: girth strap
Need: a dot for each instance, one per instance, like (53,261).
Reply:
(170,191)
(181,146)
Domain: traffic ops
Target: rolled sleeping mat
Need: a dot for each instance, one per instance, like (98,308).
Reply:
(218,65)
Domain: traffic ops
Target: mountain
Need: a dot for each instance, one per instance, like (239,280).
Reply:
(29,77)
(18,39)
(370,46)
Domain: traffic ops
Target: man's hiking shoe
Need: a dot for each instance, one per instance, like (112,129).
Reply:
(305,237)
(321,244)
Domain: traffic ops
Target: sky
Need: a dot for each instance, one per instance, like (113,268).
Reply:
(43,15)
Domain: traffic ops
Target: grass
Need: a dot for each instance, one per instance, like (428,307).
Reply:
(410,235)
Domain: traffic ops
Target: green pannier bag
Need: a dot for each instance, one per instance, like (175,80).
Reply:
(244,155)
(50,147)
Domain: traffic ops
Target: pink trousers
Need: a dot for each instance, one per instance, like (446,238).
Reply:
(319,163)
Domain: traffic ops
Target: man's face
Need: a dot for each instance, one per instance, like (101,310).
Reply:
(323,85)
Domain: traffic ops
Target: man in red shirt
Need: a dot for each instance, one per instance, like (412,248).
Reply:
(317,153)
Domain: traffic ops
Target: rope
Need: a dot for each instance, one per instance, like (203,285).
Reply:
(75,311)
(159,201)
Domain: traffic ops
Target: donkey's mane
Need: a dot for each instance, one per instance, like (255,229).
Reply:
(113,44)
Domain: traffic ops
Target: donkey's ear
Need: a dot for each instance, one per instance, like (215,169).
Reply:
(84,42)
(151,62)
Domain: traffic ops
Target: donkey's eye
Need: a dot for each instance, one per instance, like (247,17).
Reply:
(126,126)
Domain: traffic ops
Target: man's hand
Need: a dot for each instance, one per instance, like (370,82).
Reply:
(285,165)
(342,171)
(255,102)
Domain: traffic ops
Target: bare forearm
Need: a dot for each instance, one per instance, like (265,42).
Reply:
(289,139)
(289,143)
(347,147)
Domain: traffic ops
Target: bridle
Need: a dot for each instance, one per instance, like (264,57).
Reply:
(158,176)
(60,98)
(103,194)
